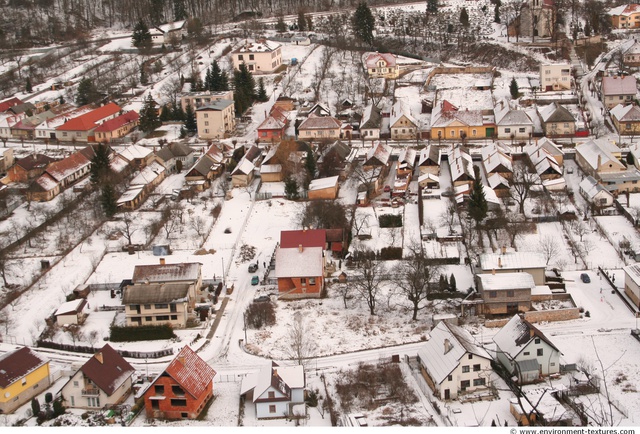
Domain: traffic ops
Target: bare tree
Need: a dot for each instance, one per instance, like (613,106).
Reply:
(369,282)
(448,217)
(127,226)
(6,321)
(75,333)
(198,224)
(579,228)
(92,337)
(418,272)
(522,182)
(549,248)
(299,343)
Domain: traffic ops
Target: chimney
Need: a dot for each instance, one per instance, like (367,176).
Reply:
(162,261)
(447,346)
(504,250)
(493,271)
(275,372)
(181,360)
(500,261)
(599,161)
(300,249)
(99,358)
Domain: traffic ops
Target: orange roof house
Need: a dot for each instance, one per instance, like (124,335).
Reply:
(81,128)
(117,127)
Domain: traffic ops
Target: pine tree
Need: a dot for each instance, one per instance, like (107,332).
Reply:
(262,92)
(141,37)
(35,407)
(87,92)
(215,80)
(302,21)
(478,206)
(244,88)
(177,114)
(190,123)
(464,17)
(149,119)
(28,86)
(513,89)
(179,12)
(143,76)
(310,164)
(291,189)
(100,167)
(108,200)
(363,24)
(165,113)
(432,6)
(496,12)
(281,27)
(61,100)
(224,81)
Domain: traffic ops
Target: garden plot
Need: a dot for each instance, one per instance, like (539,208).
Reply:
(458,89)
(379,237)
(619,233)
(410,97)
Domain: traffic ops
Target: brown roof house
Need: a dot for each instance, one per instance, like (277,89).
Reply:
(319,127)
(24,374)
(29,167)
(182,390)
(557,120)
(618,90)
(104,380)
(207,168)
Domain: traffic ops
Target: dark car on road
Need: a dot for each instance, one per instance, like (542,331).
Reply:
(585,278)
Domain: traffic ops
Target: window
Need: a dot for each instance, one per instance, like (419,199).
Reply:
(476,368)
(206,115)
(479,382)
(159,389)
(147,306)
(64,134)
(464,384)
(148,318)
(206,123)
(272,395)
(162,318)
(465,369)
(493,294)
(453,133)
(75,384)
(250,67)
(312,280)
(73,401)
(510,293)
(174,317)
(450,378)
(303,281)
(93,401)
(540,351)
(473,132)
(521,130)
(272,409)
(250,56)
(507,130)
(627,126)
(537,340)
(177,390)
(526,353)
(178,402)
(184,415)
(240,57)
(162,306)
(470,356)
(24,381)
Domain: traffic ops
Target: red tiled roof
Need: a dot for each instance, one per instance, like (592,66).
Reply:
(117,122)
(191,372)
(306,237)
(447,106)
(34,161)
(63,168)
(17,364)
(8,103)
(107,369)
(89,120)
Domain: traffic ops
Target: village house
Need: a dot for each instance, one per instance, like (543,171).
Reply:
(284,103)
(6,159)
(202,99)
(596,157)
(626,119)
(402,124)
(117,127)
(595,194)
(104,380)
(512,124)
(625,16)
(8,120)
(533,263)
(452,363)
(72,312)
(8,103)
(136,156)
(378,157)
(81,128)
(370,123)
(381,65)
(557,121)
(429,160)
(450,123)
(276,391)
(216,120)
(497,160)
(169,33)
(340,154)
(29,167)
(505,293)
(461,168)
(207,168)
(618,90)
(24,374)
(242,175)
(271,169)
(176,156)
(546,157)
(182,390)
(632,282)
(525,351)
(260,56)
(555,76)
(323,188)
(274,126)
(149,177)
(26,127)
(47,129)
(319,127)
(300,264)
(631,57)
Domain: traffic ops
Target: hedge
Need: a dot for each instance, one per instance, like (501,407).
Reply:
(141,333)
(390,221)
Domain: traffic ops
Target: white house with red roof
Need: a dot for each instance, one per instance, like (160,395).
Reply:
(276,391)
(381,65)
(105,379)
(81,128)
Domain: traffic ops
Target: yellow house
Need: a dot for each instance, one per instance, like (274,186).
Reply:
(449,123)
(626,119)
(625,16)
(23,375)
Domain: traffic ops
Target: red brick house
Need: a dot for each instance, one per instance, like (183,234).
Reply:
(29,167)
(300,272)
(182,390)
(273,126)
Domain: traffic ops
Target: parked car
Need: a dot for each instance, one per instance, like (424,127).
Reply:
(585,278)
(255,280)
(253,268)
(387,189)
(261,299)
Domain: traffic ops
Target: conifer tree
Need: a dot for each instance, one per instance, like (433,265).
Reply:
(478,206)
(245,85)
(109,200)
(149,119)
(87,92)
(432,6)
(141,37)
(100,167)
(302,21)
(28,86)
(262,92)
(513,89)
(179,11)
(464,17)
(190,123)
(363,24)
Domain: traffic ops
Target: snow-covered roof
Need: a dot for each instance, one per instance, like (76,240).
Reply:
(614,85)
(130,194)
(554,112)
(380,152)
(296,262)
(315,122)
(407,156)
(243,167)
(271,123)
(495,180)
(590,187)
(217,105)
(429,154)
(135,152)
(155,293)
(70,307)
(634,49)
(428,176)
(625,10)
(322,183)
(176,25)
(460,164)
(516,335)
(506,281)
(373,58)
(512,260)
(447,344)
(626,113)
(513,118)
(149,174)
(494,156)
(262,46)
(370,117)
(592,151)
(184,271)
(270,168)
(399,110)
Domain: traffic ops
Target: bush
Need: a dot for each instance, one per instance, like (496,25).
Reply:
(48,397)
(389,253)
(390,221)
(587,314)
(141,333)
(260,314)
(312,399)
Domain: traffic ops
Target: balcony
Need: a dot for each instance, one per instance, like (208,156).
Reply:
(90,392)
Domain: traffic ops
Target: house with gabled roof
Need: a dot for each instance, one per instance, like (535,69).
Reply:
(208,167)
(104,380)
(497,159)
(499,184)
(401,123)
(453,363)
(177,156)
(25,128)
(595,193)
(29,167)
(626,16)
(81,128)
(525,351)
(182,390)
(136,156)
(323,188)
(406,162)
(59,175)
(461,168)
(429,160)
(512,124)
(300,272)
(557,120)
(117,127)
(141,185)
(276,391)
(626,119)
(260,56)
(169,32)
(381,65)
(370,123)
(47,129)
(450,123)
(618,90)
(9,102)
(596,157)
(274,126)
(8,120)
(242,175)
(24,374)
(533,263)
(546,157)
(378,156)
(72,312)
(317,127)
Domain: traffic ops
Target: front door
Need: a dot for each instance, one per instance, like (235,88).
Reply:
(447,394)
